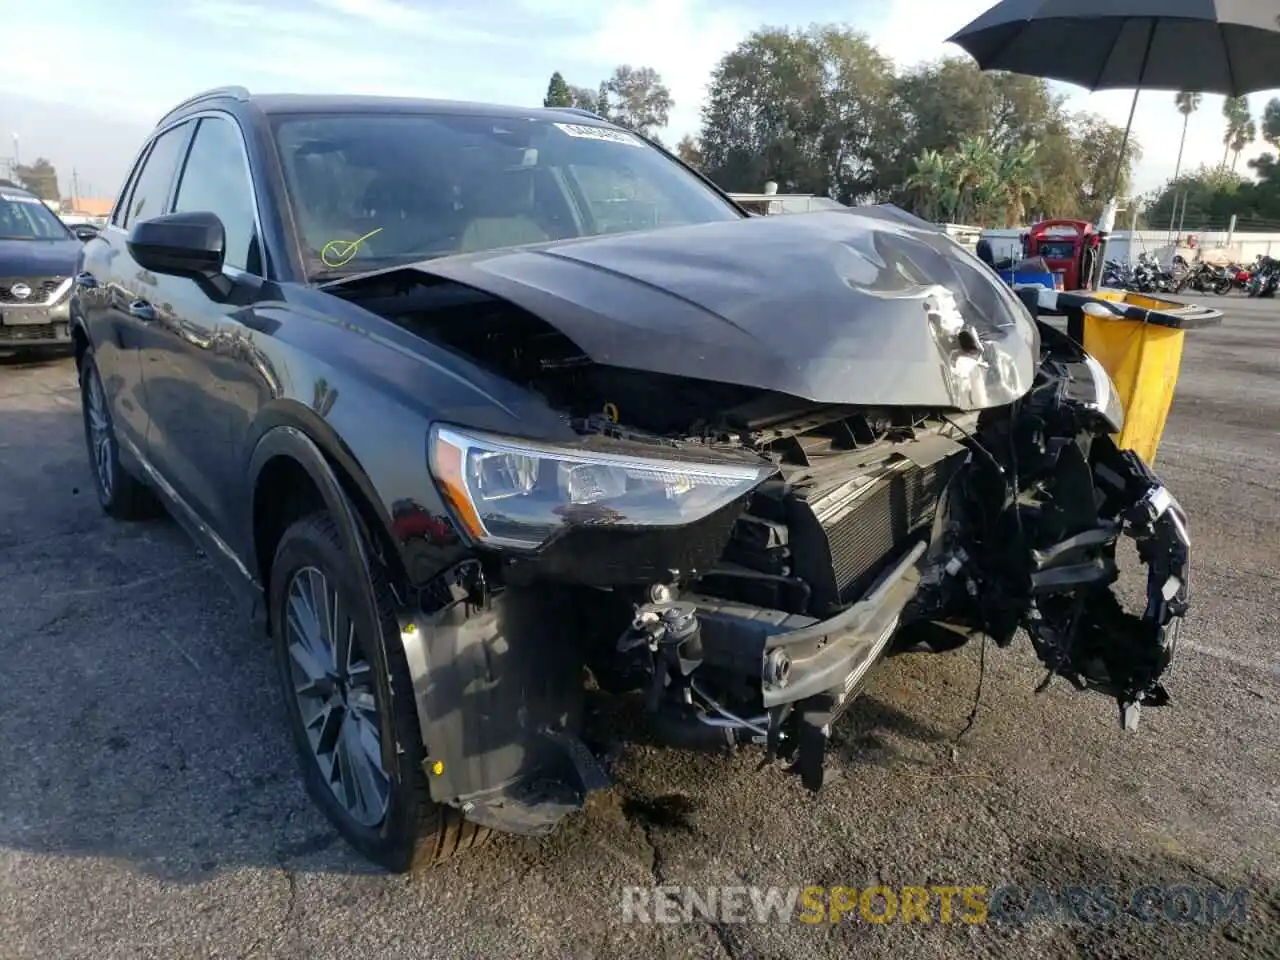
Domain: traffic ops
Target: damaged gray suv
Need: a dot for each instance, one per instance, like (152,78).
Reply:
(482,408)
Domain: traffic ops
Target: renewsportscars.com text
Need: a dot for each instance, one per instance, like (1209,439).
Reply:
(973,904)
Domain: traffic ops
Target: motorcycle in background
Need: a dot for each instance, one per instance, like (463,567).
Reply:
(1264,278)
(1117,275)
(1205,278)
(1149,277)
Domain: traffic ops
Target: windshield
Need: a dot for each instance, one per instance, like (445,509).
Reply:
(371,189)
(26,218)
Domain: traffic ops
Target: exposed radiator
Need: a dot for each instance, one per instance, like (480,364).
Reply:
(842,537)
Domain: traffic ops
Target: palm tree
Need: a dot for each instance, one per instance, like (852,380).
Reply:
(974,176)
(1016,182)
(1244,136)
(1236,110)
(928,183)
(1188,102)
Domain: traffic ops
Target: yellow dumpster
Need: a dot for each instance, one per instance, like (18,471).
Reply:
(1138,340)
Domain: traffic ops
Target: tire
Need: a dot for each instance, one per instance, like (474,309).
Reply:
(413,831)
(1222,287)
(121,495)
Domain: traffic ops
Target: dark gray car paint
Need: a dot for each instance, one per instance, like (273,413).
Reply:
(836,307)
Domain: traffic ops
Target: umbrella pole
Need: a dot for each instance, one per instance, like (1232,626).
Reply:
(1109,214)
(1108,219)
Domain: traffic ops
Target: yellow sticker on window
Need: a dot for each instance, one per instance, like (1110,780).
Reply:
(338,253)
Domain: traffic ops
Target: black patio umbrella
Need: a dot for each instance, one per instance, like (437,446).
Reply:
(1230,47)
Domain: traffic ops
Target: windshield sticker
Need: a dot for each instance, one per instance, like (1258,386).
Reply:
(585,131)
(338,253)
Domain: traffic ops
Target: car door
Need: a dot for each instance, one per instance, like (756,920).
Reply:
(111,286)
(194,420)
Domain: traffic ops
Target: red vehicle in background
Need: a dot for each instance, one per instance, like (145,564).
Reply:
(1068,247)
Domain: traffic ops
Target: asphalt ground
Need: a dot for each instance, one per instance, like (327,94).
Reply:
(149,804)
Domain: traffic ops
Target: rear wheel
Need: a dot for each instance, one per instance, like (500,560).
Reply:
(349,699)
(121,494)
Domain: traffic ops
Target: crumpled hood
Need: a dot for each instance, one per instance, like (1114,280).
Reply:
(865,306)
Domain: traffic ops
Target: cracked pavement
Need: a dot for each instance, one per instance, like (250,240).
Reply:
(149,805)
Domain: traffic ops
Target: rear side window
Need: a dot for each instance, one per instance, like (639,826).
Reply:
(151,191)
(215,180)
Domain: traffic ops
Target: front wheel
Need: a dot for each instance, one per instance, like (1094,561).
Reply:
(1222,287)
(349,700)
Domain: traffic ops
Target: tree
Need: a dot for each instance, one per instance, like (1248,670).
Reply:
(585,99)
(1097,144)
(1188,102)
(974,183)
(821,111)
(1017,182)
(638,99)
(1211,195)
(40,178)
(808,109)
(558,93)
(941,105)
(1236,112)
(1244,136)
(690,151)
(1271,123)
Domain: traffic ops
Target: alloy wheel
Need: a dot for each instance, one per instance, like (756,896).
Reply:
(333,683)
(101,439)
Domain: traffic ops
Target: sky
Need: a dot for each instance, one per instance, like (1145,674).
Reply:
(155,53)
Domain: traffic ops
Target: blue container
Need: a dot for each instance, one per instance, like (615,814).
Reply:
(1043,279)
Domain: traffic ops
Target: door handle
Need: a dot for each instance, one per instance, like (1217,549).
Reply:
(86,280)
(141,310)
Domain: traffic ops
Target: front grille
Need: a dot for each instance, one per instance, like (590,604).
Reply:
(42,288)
(32,331)
(842,539)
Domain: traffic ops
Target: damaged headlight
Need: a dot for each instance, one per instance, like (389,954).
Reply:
(518,493)
(1106,399)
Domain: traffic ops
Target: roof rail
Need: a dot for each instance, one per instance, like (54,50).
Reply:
(236,92)
(582,113)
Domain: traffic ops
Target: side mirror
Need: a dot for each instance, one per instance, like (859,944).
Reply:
(188,245)
(84,232)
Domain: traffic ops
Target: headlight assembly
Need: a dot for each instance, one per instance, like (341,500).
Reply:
(1106,399)
(509,492)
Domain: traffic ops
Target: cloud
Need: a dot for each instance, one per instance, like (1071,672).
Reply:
(426,22)
(681,39)
(502,52)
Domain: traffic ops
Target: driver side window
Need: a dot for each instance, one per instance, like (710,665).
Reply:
(215,180)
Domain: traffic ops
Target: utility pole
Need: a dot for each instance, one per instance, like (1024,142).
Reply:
(17,157)
(75,189)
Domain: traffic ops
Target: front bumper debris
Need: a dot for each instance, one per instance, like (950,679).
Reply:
(1077,624)
(1154,519)
(802,669)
